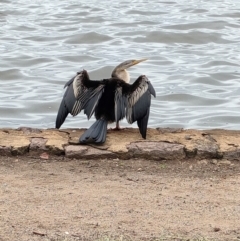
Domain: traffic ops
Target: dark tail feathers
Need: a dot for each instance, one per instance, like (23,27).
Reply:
(96,133)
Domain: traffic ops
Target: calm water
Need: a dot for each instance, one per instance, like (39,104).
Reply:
(193,49)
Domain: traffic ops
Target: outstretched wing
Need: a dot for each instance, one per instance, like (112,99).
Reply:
(81,94)
(138,101)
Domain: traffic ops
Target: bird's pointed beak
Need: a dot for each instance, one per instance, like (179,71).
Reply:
(138,61)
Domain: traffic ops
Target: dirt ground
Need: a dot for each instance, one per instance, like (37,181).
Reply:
(62,200)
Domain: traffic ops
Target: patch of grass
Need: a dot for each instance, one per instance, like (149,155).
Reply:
(162,165)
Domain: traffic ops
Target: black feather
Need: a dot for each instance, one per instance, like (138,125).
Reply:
(96,133)
(65,106)
(151,89)
(91,104)
(120,103)
(142,124)
(62,114)
(140,108)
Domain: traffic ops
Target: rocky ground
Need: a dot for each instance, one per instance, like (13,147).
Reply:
(61,199)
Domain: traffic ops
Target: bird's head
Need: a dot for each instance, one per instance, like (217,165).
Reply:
(121,72)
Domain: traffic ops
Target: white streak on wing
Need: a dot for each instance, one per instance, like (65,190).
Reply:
(76,108)
(83,98)
(129,115)
(96,102)
(78,87)
(135,96)
(95,91)
(83,94)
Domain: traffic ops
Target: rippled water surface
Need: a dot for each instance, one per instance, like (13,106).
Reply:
(193,49)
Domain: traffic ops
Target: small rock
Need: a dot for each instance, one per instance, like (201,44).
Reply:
(214,161)
(216,229)
(123,175)
(44,155)
(224,162)
(188,137)
(190,167)
(28,130)
(132,179)
(75,151)
(156,150)
(38,143)
(203,162)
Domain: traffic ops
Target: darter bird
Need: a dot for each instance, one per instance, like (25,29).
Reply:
(109,99)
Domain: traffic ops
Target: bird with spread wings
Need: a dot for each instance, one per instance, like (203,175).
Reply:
(109,99)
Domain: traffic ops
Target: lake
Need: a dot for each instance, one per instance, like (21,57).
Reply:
(193,51)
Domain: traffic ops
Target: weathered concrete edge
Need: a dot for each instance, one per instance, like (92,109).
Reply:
(162,144)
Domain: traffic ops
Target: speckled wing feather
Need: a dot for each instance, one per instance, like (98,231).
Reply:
(81,94)
(87,94)
(138,102)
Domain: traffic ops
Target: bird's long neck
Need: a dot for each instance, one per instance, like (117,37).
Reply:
(123,74)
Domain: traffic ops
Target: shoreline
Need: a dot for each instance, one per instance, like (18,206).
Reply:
(161,144)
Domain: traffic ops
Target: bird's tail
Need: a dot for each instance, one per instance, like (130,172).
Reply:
(96,133)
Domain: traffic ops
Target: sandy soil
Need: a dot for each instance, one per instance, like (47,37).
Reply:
(61,199)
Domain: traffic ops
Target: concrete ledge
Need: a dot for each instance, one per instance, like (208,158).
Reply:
(161,144)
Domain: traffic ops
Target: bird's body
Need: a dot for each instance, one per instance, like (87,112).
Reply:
(105,107)
(110,99)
